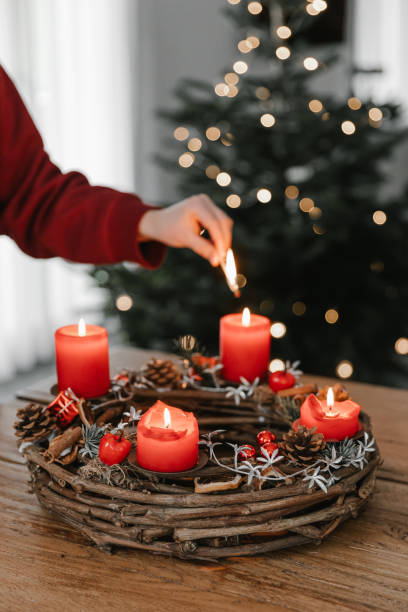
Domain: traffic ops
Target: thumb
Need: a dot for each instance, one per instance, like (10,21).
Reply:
(204,248)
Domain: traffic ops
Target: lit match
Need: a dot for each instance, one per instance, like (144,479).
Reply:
(230,271)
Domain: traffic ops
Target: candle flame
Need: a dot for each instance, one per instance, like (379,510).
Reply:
(81,327)
(230,271)
(167,418)
(330,398)
(246,317)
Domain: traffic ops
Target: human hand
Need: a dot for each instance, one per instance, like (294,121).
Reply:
(180,225)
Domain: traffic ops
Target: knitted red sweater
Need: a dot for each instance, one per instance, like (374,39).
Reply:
(49,213)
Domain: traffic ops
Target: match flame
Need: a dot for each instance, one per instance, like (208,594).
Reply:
(246,317)
(230,271)
(167,418)
(81,327)
(330,398)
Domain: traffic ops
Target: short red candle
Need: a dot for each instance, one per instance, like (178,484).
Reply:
(244,348)
(335,422)
(167,439)
(83,360)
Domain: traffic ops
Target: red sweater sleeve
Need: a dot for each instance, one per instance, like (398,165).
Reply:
(49,213)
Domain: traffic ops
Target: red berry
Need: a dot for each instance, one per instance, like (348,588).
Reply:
(247,452)
(269,447)
(281,380)
(265,436)
(113,448)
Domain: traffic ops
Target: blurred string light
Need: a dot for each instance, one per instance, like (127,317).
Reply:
(212,171)
(331,315)
(291,192)
(284,32)
(264,195)
(401,346)
(233,1)
(282,53)
(310,9)
(278,329)
(124,302)
(344,369)
(348,128)
(240,67)
(186,160)
(255,8)
(194,144)
(212,133)
(181,133)
(306,204)
(299,308)
(379,217)
(267,120)
(315,106)
(262,93)
(223,179)
(319,5)
(310,63)
(276,365)
(233,200)
(354,103)
(325,116)
(315,212)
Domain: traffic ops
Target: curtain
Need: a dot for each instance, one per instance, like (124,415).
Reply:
(72,61)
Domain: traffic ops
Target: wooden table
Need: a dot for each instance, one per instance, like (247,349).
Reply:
(45,565)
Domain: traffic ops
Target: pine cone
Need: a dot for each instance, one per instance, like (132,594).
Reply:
(303,445)
(162,373)
(34,423)
(339,392)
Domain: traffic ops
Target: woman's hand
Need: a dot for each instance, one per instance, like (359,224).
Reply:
(180,226)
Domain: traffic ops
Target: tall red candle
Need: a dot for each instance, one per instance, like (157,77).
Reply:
(335,420)
(167,439)
(244,345)
(82,356)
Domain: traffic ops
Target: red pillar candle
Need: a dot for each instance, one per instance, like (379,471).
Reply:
(244,345)
(167,439)
(335,420)
(82,355)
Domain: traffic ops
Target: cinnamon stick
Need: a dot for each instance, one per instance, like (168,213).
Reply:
(61,443)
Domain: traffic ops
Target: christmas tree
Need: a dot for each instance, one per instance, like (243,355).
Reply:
(318,250)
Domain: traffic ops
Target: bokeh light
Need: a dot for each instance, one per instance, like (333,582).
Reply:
(284,32)
(181,133)
(344,369)
(276,365)
(124,302)
(278,329)
(331,315)
(348,128)
(212,171)
(310,63)
(212,133)
(267,120)
(255,8)
(282,53)
(354,103)
(262,93)
(401,346)
(379,217)
(264,195)
(194,144)
(375,114)
(240,67)
(315,106)
(299,308)
(306,204)
(223,179)
(291,192)
(233,200)
(186,160)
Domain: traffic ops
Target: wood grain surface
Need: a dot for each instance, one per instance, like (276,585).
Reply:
(45,565)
